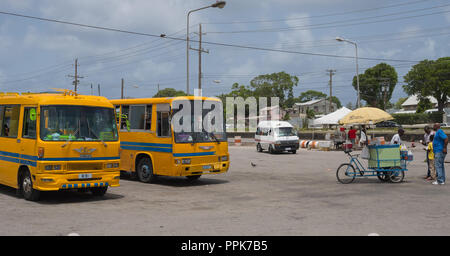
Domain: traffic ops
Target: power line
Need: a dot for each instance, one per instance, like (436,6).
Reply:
(332,24)
(319,16)
(205,42)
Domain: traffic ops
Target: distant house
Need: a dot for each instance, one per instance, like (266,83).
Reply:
(320,106)
(272,113)
(410,105)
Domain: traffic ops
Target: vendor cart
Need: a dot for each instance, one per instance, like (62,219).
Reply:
(386,162)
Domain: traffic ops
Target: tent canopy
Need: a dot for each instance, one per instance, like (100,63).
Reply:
(332,118)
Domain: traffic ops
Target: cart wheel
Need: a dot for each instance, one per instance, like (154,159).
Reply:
(396,175)
(345,174)
(382,176)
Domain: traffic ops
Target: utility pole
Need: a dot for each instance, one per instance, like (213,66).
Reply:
(76,77)
(384,81)
(121,95)
(200,50)
(98,89)
(92,90)
(158,88)
(331,72)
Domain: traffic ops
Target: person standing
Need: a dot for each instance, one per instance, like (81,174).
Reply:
(352,135)
(426,140)
(363,139)
(397,138)
(430,157)
(440,142)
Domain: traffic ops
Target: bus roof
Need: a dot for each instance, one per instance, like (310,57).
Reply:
(54,98)
(159,100)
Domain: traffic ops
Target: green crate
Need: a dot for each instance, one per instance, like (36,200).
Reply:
(382,156)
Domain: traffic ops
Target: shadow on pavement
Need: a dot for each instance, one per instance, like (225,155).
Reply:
(179,181)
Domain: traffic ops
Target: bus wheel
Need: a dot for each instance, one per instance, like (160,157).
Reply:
(193,177)
(101,191)
(28,192)
(145,170)
(271,150)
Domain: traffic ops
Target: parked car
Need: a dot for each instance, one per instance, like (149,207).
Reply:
(387,124)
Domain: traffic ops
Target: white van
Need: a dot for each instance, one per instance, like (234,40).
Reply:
(276,136)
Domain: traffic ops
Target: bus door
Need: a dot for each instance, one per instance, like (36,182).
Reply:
(28,152)
(9,144)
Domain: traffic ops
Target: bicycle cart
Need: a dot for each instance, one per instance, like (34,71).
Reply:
(386,162)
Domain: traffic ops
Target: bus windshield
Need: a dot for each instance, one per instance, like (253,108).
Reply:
(285,131)
(197,132)
(80,123)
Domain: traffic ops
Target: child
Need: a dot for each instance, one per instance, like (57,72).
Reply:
(431,159)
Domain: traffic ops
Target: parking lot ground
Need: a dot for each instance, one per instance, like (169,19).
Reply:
(284,194)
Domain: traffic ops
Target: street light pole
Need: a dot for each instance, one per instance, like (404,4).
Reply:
(357,69)
(218,4)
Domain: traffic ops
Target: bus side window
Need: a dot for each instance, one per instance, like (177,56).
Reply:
(123,123)
(117,112)
(136,117)
(2,110)
(29,123)
(10,125)
(163,121)
(148,117)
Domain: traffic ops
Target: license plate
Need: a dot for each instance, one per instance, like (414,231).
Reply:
(206,167)
(288,148)
(84,175)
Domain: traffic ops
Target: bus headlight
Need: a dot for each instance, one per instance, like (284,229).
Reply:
(177,161)
(112,165)
(223,158)
(186,161)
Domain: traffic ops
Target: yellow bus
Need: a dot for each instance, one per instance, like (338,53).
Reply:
(150,146)
(57,141)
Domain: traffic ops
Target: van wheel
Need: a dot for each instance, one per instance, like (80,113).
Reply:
(259,148)
(271,151)
(101,191)
(28,192)
(145,170)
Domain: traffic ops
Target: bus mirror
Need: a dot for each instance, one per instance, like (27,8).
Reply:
(33,114)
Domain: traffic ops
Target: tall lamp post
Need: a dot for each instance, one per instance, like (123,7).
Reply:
(340,39)
(218,4)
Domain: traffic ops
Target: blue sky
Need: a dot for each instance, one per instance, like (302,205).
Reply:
(38,56)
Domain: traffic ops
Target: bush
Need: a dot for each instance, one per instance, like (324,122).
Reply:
(418,118)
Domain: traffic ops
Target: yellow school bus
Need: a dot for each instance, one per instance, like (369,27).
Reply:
(56,141)
(151,146)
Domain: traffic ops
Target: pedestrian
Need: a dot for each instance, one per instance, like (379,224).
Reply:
(363,139)
(425,142)
(430,157)
(397,138)
(352,135)
(440,142)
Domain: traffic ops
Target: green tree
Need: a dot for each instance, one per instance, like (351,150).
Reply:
(349,105)
(311,95)
(279,85)
(169,92)
(430,78)
(400,101)
(424,104)
(336,100)
(371,84)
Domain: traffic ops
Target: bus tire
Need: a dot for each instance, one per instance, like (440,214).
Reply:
(145,170)
(26,187)
(193,177)
(100,191)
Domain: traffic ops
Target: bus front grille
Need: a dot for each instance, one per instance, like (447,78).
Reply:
(84,166)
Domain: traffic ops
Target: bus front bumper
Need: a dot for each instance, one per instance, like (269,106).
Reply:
(53,182)
(205,168)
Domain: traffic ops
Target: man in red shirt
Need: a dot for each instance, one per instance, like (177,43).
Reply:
(352,135)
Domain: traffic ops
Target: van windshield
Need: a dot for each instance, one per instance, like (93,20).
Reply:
(80,123)
(285,131)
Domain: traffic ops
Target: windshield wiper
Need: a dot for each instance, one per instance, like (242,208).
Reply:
(98,138)
(67,141)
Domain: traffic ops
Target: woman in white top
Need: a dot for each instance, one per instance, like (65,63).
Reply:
(363,140)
